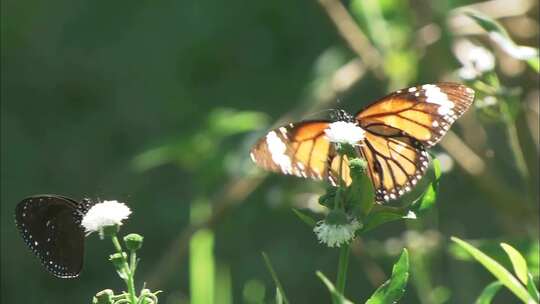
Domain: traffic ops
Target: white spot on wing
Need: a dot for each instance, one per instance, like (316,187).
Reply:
(435,95)
(277,149)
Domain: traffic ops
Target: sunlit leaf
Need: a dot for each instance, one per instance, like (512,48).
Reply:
(393,289)
(532,288)
(332,289)
(279,297)
(503,275)
(518,262)
(488,293)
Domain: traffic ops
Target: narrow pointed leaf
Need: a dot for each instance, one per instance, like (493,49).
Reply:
(275,278)
(332,289)
(488,293)
(279,297)
(518,262)
(305,218)
(503,275)
(532,288)
(393,289)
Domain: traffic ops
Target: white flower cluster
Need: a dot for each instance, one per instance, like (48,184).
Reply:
(475,59)
(106,213)
(344,132)
(335,235)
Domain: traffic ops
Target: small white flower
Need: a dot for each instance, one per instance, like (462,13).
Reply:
(487,101)
(335,235)
(475,59)
(106,213)
(344,132)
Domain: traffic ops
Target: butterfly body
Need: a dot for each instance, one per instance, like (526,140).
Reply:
(397,130)
(50,225)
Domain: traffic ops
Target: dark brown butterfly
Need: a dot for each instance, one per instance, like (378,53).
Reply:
(50,225)
(398,129)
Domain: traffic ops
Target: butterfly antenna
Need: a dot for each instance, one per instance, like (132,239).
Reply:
(319,112)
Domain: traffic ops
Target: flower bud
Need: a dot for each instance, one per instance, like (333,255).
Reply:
(357,166)
(133,241)
(118,260)
(103,297)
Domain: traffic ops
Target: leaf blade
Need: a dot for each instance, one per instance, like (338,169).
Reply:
(488,293)
(518,262)
(332,289)
(393,289)
(496,269)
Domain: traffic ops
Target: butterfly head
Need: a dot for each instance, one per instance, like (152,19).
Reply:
(342,115)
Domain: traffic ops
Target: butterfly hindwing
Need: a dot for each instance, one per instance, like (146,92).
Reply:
(396,162)
(50,226)
(423,112)
(300,149)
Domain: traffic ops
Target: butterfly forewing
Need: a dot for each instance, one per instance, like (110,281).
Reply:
(300,149)
(423,112)
(50,226)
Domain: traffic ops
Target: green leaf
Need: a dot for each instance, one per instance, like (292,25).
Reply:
(276,279)
(488,293)
(531,287)
(534,63)
(332,289)
(279,297)
(500,36)
(429,197)
(305,218)
(393,289)
(376,219)
(503,275)
(518,262)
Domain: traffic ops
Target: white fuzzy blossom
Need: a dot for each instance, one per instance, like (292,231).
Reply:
(106,213)
(334,235)
(475,60)
(344,132)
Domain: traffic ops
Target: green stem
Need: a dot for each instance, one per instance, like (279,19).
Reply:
(133,262)
(342,269)
(130,282)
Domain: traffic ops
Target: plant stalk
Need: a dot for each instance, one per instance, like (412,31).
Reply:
(130,282)
(343,266)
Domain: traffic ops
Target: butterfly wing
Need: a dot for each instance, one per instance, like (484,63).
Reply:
(424,112)
(300,149)
(395,161)
(50,226)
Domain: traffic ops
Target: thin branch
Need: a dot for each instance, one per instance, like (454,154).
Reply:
(353,35)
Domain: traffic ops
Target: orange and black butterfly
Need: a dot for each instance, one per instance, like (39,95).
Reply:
(398,129)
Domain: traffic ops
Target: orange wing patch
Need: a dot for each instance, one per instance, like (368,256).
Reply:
(424,112)
(299,149)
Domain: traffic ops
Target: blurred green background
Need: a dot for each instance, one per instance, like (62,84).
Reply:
(157,104)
